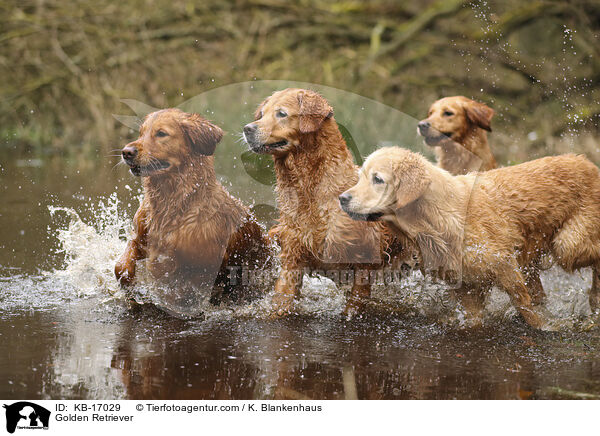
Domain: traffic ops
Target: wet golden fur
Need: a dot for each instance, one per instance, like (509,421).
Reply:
(491,227)
(312,168)
(458,132)
(188,226)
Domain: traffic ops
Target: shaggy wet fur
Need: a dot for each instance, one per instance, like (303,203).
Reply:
(187,226)
(313,166)
(457,129)
(491,227)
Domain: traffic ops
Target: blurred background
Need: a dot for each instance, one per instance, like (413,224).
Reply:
(67,64)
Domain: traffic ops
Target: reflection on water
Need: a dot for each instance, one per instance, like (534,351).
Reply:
(90,350)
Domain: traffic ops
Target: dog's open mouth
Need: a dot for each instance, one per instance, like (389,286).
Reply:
(274,145)
(433,137)
(373,216)
(147,170)
(267,148)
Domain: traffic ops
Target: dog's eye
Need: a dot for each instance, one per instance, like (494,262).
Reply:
(161,134)
(281,114)
(448,113)
(377,180)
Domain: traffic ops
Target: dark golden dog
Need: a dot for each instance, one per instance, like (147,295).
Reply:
(457,127)
(188,226)
(313,166)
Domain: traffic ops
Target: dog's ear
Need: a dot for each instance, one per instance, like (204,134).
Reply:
(314,109)
(201,135)
(479,114)
(411,185)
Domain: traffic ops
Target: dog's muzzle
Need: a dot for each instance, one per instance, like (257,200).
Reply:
(423,127)
(251,138)
(345,199)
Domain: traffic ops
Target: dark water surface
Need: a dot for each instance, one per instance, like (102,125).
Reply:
(66,333)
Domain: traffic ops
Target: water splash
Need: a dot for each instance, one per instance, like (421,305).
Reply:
(90,250)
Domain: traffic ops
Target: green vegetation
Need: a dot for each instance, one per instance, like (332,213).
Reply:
(66,64)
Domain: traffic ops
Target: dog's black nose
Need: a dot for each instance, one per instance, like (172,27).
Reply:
(424,125)
(129,152)
(345,199)
(250,129)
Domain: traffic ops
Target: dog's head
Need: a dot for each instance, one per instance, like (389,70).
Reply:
(284,118)
(454,118)
(391,178)
(168,138)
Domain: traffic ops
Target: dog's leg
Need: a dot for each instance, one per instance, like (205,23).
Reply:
(357,298)
(595,291)
(125,266)
(287,288)
(534,284)
(512,281)
(248,255)
(574,247)
(473,300)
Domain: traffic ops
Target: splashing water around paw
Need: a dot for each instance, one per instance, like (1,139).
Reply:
(90,252)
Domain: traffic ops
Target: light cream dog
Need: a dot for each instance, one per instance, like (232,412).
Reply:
(492,227)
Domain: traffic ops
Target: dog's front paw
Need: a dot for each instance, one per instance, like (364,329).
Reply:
(471,322)
(281,305)
(552,326)
(125,274)
(354,307)
(541,318)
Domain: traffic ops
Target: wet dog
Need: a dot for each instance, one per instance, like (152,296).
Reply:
(457,128)
(188,226)
(313,166)
(491,227)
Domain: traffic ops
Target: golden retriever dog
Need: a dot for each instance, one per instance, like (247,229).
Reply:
(457,127)
(187,226)
(313,166)
(490,227)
